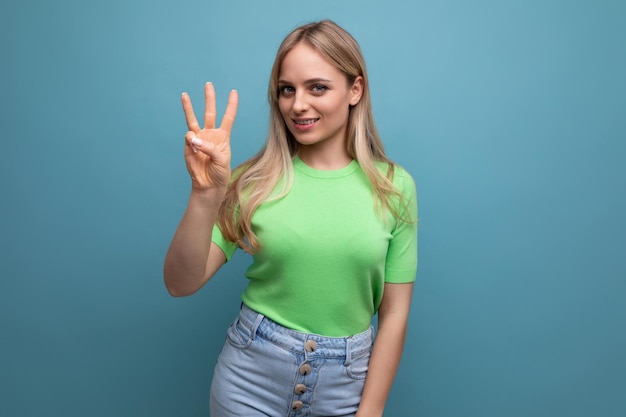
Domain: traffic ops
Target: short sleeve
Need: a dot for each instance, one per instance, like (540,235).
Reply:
(401,262)
(226,246)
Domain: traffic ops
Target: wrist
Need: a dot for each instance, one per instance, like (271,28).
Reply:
(210,197)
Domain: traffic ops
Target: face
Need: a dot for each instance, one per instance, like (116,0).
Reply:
(314,98)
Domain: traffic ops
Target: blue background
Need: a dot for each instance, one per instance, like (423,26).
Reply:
(511,116)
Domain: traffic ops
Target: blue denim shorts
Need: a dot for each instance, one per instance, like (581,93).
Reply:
(265,369)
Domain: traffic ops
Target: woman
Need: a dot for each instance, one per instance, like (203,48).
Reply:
(331,226)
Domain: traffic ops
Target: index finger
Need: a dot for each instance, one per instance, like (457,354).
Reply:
(190,117)
(231,111)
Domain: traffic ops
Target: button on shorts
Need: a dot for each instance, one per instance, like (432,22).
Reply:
(265,369)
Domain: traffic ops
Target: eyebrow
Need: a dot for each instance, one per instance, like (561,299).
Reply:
(309,81)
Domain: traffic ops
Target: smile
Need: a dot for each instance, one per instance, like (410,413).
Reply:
(305,122)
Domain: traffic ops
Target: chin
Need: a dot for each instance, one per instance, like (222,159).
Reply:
(307,142)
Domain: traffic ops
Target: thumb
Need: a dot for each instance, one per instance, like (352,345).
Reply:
(214,152)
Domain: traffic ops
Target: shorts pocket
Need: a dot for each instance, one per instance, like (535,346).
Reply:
(238,335)
(357,368)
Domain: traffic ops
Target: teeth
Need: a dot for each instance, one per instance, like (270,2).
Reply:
(305,122)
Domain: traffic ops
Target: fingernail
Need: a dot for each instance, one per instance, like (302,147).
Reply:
(196,141)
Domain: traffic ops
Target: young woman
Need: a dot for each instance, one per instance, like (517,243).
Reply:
(331,224)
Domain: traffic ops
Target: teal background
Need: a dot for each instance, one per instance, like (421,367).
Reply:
(511,116)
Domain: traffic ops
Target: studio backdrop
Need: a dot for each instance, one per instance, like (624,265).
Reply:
(508,114)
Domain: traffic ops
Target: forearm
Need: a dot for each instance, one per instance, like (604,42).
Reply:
(185,263)
(393,314)
(383,366)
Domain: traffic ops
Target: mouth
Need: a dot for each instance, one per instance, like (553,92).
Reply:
(304,124)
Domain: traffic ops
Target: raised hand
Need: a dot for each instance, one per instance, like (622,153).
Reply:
(207,150)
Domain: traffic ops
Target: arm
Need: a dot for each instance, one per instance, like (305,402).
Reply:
(393,315)
(192,259)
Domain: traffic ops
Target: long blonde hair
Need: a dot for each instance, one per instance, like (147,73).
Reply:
(255,181)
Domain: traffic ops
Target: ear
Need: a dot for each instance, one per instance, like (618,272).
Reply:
(356,90)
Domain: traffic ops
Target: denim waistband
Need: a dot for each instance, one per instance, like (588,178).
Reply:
(336,347)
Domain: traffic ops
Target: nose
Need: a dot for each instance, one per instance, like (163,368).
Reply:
(300,104)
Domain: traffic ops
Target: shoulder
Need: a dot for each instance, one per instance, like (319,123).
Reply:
(400,177)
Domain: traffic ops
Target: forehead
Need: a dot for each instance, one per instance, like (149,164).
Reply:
(303,62)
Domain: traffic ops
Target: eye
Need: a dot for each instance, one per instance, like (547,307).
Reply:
(286,90)
(318,88)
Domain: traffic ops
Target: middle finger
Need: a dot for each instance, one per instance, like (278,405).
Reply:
(209,106)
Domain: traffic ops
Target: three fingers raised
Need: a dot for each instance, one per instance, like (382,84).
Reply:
(210,110)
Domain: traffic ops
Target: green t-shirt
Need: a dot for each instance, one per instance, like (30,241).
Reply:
(326,253)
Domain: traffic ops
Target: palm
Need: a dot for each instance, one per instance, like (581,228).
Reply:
(208,163)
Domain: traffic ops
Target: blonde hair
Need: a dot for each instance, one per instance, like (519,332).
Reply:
(257,180)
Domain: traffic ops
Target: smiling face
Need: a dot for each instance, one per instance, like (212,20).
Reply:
(314,99)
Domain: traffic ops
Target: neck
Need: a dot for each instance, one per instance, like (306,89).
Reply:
(324,159)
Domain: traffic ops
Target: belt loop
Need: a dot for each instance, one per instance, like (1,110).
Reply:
(255,326)
(348,351)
